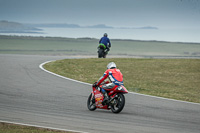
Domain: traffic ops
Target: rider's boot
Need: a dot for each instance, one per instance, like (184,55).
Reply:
(106,98)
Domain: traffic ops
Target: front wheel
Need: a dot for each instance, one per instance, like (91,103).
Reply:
(91,102)
(119,103)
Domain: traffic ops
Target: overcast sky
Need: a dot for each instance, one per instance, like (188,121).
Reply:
(118,13)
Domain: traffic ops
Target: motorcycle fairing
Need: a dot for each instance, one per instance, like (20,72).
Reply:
(99,99)
(101,45)
(120,89)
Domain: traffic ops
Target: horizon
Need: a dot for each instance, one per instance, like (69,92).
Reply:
(176,20)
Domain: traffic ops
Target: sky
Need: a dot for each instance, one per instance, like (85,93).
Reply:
(117,13)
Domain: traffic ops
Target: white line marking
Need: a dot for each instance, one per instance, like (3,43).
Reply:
(164,98)
(41,66)
(59,129)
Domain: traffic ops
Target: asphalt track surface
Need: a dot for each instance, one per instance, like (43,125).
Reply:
(32,96)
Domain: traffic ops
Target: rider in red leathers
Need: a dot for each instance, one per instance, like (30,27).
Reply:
(114,75)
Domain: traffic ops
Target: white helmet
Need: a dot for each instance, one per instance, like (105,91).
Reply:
(111,65)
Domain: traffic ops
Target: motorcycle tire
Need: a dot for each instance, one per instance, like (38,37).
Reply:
(101,53)
(119,103)
(91,103)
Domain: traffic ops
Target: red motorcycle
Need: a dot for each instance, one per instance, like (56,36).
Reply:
(116,99)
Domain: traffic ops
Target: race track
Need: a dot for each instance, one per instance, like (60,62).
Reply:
(32,96)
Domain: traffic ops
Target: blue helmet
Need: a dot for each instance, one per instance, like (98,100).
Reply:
(105,34)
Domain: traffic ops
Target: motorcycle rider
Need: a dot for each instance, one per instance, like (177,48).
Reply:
(115,77)
(106,41)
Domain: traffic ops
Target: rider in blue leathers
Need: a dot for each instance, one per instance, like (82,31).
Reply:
(106,41)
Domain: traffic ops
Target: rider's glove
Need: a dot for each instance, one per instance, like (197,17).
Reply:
(95,84)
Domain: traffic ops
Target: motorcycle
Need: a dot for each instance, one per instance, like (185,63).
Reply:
(116,100)
(102,51)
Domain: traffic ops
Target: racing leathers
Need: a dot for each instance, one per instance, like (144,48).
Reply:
(116,78)
(106,41)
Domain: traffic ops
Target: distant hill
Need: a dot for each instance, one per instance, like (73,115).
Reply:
(99,26)
(145,27)
(14,27)
(103,26)
(148,27)
(54,25)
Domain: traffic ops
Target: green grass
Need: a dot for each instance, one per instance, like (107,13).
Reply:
(170,78)
(13,128)
(45,45)
(88,46)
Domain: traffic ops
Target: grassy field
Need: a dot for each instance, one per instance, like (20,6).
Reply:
(45,45)
(88,46)
(170,78)
(13,128)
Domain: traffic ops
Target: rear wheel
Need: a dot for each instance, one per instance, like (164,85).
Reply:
(91,102)
(118,103)
(101,53)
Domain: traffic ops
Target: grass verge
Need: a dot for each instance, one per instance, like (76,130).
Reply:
(13,128)
(88,46)
(170,78)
